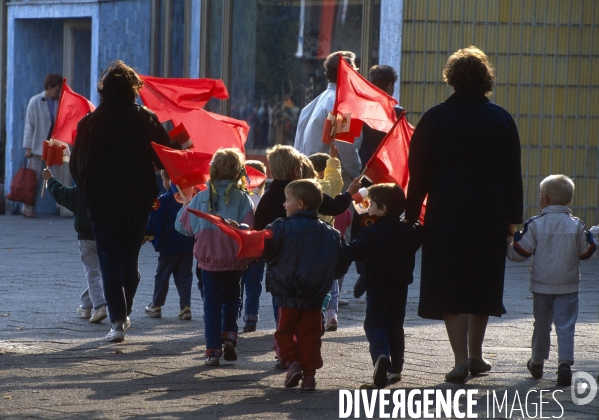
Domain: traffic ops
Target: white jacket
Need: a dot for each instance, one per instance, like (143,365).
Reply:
(558,242)
(37,123)
(308,137)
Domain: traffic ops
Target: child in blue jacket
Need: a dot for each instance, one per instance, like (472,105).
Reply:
(176,253)
(387,248)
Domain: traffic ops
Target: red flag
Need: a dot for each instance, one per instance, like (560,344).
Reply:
(186,168)
(209,132)
(255,177)
(390,161)
(363,101)
(71,108)
(250,242)
(170,97)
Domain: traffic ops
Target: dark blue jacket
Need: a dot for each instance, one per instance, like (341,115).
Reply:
(72,199)
(161,225)
(303,257)
(388,249)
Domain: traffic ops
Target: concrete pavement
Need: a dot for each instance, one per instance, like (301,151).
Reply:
(54,364)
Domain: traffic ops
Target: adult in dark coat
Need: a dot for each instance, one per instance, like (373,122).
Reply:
(465,154)
(112,158)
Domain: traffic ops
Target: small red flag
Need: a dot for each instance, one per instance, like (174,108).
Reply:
(186,168)
(170,97)
(363,101)
(250,242)
(71,108)
(255,177)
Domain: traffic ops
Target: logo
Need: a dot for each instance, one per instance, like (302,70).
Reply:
(584,388)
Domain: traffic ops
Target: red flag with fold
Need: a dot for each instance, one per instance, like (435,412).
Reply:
(209,132)
(250,242)
(168,98)
(254,176)
(389,163)
(364,102)
(71,108)
(186,168)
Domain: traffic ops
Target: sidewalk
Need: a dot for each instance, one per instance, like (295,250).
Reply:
(54,364)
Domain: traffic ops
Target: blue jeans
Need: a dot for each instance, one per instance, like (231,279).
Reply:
(179,265)
(118,242)
(251,281)
(561,310)
(383,326)
(222,298)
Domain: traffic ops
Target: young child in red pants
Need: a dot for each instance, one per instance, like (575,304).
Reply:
(303,257)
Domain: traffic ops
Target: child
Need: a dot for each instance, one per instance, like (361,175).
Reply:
(72,199)
(302,258)
(387,249)
(328,173)
(558,242)
(217,253)
(251,279)
(176,253)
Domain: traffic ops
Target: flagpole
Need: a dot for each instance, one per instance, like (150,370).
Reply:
(182,194)
(381,144)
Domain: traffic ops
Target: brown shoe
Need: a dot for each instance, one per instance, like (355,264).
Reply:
(294,374)
(309,383)
(458,374)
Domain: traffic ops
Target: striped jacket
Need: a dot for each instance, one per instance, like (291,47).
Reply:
(557,242)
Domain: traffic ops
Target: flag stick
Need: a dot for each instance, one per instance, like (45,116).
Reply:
(182,194)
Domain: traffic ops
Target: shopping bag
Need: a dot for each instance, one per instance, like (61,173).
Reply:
(23,186)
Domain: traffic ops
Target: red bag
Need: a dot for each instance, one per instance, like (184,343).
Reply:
(23,186)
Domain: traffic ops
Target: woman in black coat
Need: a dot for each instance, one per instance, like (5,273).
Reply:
(465,154)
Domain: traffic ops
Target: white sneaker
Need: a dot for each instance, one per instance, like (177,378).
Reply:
(84,312)
(212,361)
(117,332)
(99,315)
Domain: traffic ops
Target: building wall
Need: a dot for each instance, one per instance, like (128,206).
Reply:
(120,30)
(546,56)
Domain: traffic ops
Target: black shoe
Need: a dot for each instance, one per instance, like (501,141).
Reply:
(380,371)
(458,374)
(230,353)
(280,365)
(477,367)
(535,370)
(249,327)
(564,375)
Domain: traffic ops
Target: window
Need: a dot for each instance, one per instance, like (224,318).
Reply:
(270,54)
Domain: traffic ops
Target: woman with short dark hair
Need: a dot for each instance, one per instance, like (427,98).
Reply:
(465,154)
(113,165)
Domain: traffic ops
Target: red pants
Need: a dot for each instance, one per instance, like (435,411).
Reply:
(304,349)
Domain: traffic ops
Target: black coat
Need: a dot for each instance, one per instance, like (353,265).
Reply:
(303,257)
(388,249)
(113,156)
(270,207)
(465,154)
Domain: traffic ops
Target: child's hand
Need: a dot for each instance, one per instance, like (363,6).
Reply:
(354,187)
(232,223)
(147,239)
(334,152)
(511,229)
(47,174)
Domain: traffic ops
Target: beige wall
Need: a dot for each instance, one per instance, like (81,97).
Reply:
(546,56)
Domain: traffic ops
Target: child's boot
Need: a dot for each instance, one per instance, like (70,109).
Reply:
(294,374)
(308,383)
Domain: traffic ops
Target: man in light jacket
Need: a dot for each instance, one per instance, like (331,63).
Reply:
(39,122)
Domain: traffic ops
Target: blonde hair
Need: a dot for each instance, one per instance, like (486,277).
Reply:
(469,70)
(559,188)
(283,161)
(227,164)
(308,171)
(307,190)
